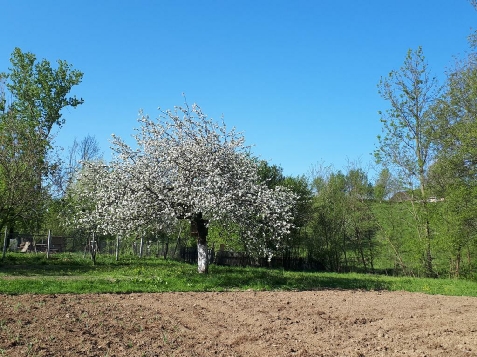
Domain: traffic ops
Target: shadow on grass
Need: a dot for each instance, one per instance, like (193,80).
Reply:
(65,273)
(37,264)
(35,273)
(271,279)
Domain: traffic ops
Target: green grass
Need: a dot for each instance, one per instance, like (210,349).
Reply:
(70,273)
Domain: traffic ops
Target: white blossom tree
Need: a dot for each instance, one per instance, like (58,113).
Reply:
(184,166)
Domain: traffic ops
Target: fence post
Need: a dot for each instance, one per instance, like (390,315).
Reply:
(5,244)
(141,246)
(117,247)
(48,242)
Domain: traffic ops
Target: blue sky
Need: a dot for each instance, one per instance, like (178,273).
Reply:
(298,78)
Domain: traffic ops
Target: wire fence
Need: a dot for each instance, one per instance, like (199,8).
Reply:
(27,243)
(296,259)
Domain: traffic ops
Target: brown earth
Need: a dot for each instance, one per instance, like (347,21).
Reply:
(314,323)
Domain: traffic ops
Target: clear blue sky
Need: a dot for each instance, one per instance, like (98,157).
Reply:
(298,78)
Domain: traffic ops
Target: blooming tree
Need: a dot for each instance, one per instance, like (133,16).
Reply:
(184,166)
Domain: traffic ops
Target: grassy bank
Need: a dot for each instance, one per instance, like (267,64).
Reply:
(71,273)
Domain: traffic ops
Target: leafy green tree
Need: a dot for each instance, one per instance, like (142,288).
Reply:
(408,125)
(341,227)
(39,91)
(38,94)
(398,251)
(453,176)
(271,175)
(302,210)
(409,122)
(361,224)
(299,186)
(328,243)
(385,186)
(20,199)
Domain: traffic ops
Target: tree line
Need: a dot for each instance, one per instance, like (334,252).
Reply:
(417,218)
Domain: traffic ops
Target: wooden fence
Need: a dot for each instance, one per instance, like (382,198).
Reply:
(291,260)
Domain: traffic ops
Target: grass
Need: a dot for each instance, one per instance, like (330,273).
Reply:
(71,273)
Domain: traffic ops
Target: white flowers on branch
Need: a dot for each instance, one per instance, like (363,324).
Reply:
(184,164)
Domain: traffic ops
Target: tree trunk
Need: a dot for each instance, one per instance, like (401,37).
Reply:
(202,261)
(141,246)
(117,247)
(166,248)
(48,243)
(93,249)
(199,227)
(5,244)
(457,264)
(428,259)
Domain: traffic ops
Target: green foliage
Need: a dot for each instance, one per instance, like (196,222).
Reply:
(430,138)
(408,124)
(38,93)
(386,186)
(344,222)
(21,197)
(409,143)
(343,226)
(400,249)
(272,175)
(453,175)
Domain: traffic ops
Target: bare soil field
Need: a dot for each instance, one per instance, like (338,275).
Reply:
(312,323)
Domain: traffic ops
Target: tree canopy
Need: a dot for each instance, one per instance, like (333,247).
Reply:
(37,93)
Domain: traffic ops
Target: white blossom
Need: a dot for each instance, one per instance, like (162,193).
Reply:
(184,163)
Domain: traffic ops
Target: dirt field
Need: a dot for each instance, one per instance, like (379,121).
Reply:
(318,323)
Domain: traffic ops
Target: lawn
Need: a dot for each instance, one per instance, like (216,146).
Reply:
(71,273)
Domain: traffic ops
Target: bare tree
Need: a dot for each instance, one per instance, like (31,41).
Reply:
(78,153)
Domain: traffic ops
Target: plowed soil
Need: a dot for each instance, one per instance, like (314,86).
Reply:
(315,323)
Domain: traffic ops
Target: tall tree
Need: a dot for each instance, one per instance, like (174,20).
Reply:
(302,210)
(409,122)
(185,166)
(361,223)
(343,224)
(385,185)
(271,175)
(38,94)
(20,199)
(454,174)
(408,125)
(329,243)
